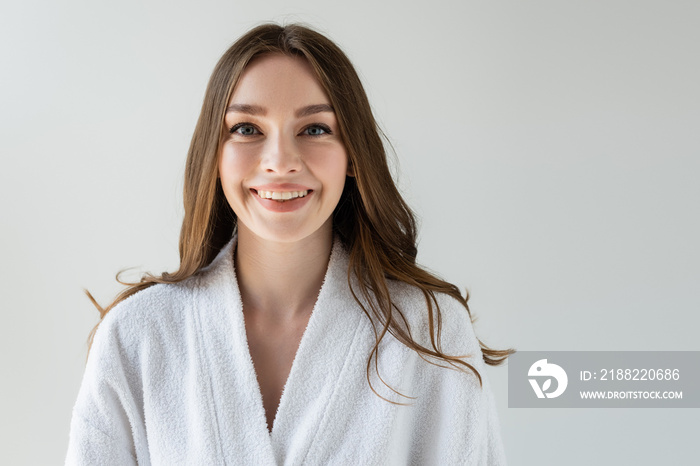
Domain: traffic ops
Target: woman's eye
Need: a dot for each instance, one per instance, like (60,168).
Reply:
(317,130)
(244,129)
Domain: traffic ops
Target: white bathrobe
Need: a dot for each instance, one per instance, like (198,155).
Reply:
(170,381)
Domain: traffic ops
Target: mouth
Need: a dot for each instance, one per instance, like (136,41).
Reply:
(280,196)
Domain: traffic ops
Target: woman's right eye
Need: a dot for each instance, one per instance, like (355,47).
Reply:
(244,129)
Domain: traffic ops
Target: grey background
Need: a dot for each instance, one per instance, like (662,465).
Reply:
(550,148)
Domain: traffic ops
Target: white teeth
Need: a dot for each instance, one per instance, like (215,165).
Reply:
(282,195)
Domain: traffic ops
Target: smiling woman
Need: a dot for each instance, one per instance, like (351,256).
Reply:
(298,328)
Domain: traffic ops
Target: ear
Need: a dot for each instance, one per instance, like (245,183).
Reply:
(351,171)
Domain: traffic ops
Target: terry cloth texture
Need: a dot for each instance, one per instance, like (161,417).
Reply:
(170,381)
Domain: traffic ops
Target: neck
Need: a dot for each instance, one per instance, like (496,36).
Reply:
(281,280)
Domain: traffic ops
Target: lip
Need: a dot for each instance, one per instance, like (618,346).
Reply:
(281,187)
(286,206)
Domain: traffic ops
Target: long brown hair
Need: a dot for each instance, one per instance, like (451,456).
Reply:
(372,220)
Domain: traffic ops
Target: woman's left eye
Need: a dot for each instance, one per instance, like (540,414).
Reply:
(317,130)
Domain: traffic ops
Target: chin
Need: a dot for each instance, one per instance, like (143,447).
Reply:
(289,233)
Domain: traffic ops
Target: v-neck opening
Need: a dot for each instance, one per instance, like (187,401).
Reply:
(271,430)
(304,336)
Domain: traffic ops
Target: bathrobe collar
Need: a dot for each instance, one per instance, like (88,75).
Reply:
(327,343)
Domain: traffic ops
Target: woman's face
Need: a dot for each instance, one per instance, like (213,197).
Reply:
(282,163)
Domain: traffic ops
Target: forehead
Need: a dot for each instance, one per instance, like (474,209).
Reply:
(277,80)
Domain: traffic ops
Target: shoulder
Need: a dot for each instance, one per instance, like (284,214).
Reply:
(457,336)
(147,317)
(154,303)
(160,314)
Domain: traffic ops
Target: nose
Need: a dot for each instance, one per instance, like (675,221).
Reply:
(281,154)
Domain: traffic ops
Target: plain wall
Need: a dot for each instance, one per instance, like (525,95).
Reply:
(551,150)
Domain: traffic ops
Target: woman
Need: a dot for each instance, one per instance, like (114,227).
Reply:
(298,328)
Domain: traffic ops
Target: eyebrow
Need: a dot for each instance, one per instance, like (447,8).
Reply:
(312,109)
(258,110)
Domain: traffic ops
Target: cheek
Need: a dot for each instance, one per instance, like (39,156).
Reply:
(338,166)
(233,166)
(230,174)
(330,164)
